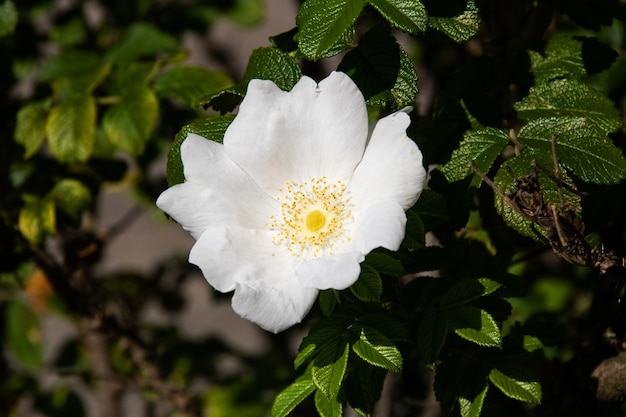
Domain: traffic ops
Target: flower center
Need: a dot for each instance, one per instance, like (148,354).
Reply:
(315,220)
(313,217)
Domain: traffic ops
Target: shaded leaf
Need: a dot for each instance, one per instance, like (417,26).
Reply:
(407,15)
(431,208)
(376,348)
(431,334)
(71,128)
(415,236)
(467,290)
(324,22)
(23,335)
(563,57)
(384,263)
(327,301)
(369,286)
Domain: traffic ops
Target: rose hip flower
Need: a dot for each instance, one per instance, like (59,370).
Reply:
(295,198)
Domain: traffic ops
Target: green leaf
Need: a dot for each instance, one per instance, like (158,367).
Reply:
(327,407)
(71,196)
(573,99)
(517,385)
(329,367)
(264,64)
(407,15)
(475,325)
(563,57)
(481,146)
(212,128)
(404,91)
(467,290)
(580,146)
(70,64)
(23,335)
(37,219)
(363,388)
(369,286)
(382,70)
(323,22)
(415,236)
(385,264)
(327,301)
(8,18)
(128,124)
(376,348)
(247,12)
(141,40)
(291,396)
(473,407)
(431,334)
(274,65)
(30,130)
(432,209)
(460,27)
(71,128)
(531,343)
(82,83)
(190,84)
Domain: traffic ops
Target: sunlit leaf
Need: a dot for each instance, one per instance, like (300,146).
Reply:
(291,396)
(517,385)
(407,15)
(37,219)
(8,17)
(30,130)
(327,407)
(71,196)
(212,128)
(128,124)
(472,407)
(460,27)
(329,367)
(189,84)
(323,22)
(481,146)
(475,325)
(376,348)
(71,128)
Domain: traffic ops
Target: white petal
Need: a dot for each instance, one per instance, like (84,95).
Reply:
(234,255)
(380,224)
(217,193)
(391,168)
(196,207)
(275,306)
(310,132)
(337,271)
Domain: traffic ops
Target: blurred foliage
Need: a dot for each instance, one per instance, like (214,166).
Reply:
(506,297)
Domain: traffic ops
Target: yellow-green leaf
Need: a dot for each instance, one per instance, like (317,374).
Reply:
(37,219)
(30,130)
(71,128)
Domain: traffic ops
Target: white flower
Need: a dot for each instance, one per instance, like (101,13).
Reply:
(296,196)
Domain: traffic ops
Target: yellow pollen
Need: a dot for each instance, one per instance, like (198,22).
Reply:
(315,220)
(314,216)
